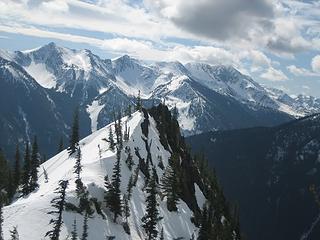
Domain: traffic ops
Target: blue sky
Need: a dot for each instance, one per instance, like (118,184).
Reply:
(276,42)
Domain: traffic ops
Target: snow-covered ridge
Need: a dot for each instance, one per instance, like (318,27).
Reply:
(82,74)
(29,214)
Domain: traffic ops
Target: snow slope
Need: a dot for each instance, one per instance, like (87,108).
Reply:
(29,213)
(41,74)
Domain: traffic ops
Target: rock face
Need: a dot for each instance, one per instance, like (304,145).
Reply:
(268,173)
(150,144)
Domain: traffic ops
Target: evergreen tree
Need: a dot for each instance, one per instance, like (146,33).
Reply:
(58,204)
(151,217)
(26,172)
(99,151)
(129,160)
(119,135)
(138,103)
(61,145)
(34,165)
(74,234)
(114,194)
(126,133)
(78,167)
(81,190)
(161,234)
(17,170)
(170,187)
(85,227)
(74,138)
(45,174)
(14,234)
(126,208)
(111,139)
(129,187)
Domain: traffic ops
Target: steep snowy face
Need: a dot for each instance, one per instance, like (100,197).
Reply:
(228,81)
(179,93)
(76,72)
(29,213)
(132,75)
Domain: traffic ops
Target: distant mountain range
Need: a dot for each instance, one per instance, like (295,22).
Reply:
(207,97)
(267,172)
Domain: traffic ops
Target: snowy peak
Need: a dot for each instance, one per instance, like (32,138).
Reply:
(122,63)
(51,53)
(79,73)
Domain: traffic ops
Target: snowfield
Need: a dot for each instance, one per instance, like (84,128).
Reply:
(29,214)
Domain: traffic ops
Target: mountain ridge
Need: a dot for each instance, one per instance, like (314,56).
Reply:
(102,86)
(149,146)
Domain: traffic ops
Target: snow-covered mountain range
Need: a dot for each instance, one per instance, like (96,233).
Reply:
(207,97)
(29,214)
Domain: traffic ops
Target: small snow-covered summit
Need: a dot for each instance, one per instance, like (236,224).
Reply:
(148,148)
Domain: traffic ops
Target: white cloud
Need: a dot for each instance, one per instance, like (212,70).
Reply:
(55,6)
(286,40)
(243,33)
(273,74)
(140,48)
(207,54)
(298,71)
(315,64)
(108,17)
(259,58)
